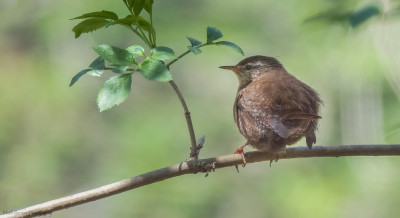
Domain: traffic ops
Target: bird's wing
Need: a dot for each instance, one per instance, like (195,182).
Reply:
(300,116)
(277,126)
(250,115)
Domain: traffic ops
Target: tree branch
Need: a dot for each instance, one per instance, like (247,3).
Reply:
(202,165)
(194,151)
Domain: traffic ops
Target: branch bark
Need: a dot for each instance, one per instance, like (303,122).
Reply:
(202,165)
(194,151)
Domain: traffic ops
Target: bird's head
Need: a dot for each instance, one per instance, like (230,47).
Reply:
(250,68)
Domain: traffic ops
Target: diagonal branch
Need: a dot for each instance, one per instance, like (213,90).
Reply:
(205,165)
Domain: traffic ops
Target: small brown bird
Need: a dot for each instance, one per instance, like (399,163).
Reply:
(272,108)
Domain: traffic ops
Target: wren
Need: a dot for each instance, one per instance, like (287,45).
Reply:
(273,108)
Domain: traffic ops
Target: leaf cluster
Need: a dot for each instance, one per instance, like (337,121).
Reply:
(213,34)
(125,62)
(353,18)
(138,24)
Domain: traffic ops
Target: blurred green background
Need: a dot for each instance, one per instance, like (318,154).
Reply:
(54,142)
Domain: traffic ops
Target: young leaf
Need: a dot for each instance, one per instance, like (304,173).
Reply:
(136,50)
(129,4)
(148,5)
(89,25)
(193,42)
(144,24)
(232,45)
(195,50)
(97,66)
(119,69)
(213,34)
(115,55)
(137,6)
(162,53)
(330,16)
(128,20)
(98,14)
(153,69)
(362,15)
(77,76)
(114,91)
(95,73)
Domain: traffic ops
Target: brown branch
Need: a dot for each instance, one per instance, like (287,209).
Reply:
(194,150)
(202,165)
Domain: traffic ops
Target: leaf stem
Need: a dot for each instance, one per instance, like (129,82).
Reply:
(142,37)
(153,31)
(151,45)
(185,53)
(141,34)
(177,58)
(129,69)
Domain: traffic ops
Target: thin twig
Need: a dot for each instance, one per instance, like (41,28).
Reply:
(185,53)
(193,147)
(177,58)
(206,165)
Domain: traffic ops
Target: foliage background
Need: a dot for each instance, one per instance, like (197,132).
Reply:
(54,142)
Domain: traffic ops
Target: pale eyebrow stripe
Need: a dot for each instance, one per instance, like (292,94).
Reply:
(258,63)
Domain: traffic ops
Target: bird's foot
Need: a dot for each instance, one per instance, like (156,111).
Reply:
(241,152)
(273,160)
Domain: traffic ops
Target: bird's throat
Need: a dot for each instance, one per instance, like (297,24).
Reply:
(243,80)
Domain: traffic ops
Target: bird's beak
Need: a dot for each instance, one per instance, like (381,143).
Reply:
(233,68)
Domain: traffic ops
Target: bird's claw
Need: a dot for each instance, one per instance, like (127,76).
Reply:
(273,160)
(241,152)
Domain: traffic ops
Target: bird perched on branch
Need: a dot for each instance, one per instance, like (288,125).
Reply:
(272,108)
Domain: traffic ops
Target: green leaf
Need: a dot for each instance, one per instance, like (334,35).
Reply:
(213,34)
(162,53)
(89,25)
(136,50)
(139,21)
(114,91)
(128,20)
(95,73)
(193,42)
(195,50)
(115,55)
(99,14)
(148,5)
(232,45)
(129,3)
(98,64)
(330,16)
(119,69)
(137,6)
(362,15)
(78,75)
(144,24)
(153,69)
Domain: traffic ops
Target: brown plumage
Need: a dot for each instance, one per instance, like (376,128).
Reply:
(272,108)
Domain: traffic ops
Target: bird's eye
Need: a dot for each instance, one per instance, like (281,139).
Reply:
(248,67)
